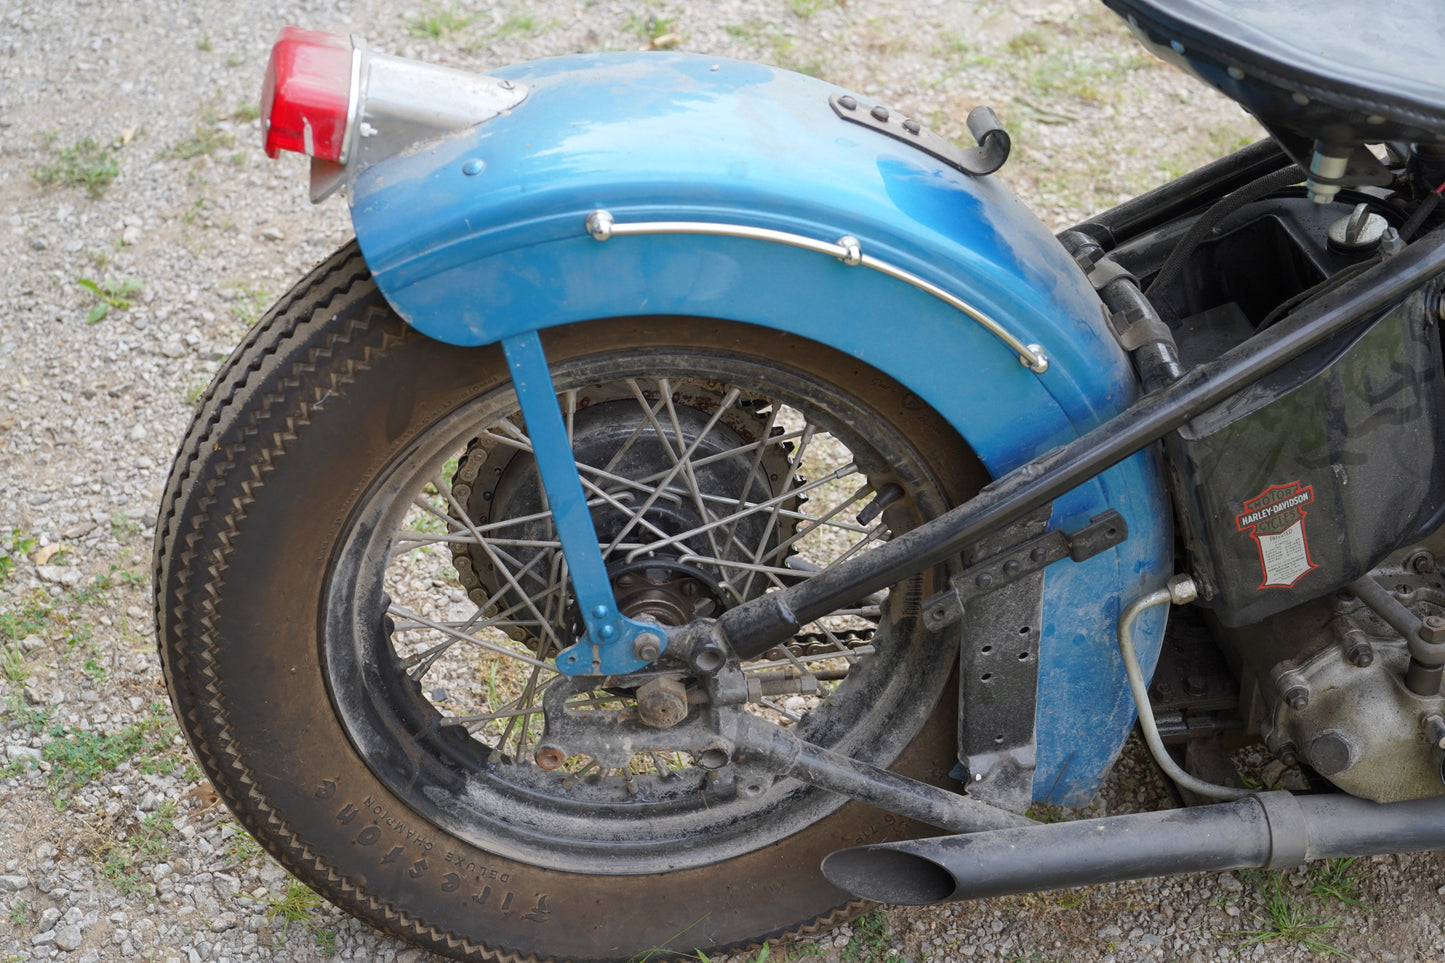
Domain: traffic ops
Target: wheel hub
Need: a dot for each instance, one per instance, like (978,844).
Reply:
(657,518)
(665,591)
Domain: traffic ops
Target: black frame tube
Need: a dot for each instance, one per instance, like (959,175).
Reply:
(777,616)
(1184,194)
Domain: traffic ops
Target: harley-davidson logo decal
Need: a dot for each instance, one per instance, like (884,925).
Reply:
(1275,519)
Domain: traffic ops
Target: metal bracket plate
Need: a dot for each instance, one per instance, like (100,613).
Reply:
(946,607)
(983,123)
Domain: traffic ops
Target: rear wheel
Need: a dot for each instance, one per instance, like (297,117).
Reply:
(359,592)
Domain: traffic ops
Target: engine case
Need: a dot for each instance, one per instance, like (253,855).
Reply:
(1345,709)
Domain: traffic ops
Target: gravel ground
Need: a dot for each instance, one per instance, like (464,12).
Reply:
(111,845)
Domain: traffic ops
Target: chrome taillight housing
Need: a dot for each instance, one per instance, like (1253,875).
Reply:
(346,107)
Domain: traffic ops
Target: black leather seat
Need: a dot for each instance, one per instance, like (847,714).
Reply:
(1335,71)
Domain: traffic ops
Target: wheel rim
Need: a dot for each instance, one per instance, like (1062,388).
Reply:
(438,663)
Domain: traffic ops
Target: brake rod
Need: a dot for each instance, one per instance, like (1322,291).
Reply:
(778,750)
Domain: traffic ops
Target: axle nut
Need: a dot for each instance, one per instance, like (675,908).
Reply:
(647,646)
(662,702)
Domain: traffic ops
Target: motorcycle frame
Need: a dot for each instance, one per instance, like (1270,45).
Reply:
(492,234)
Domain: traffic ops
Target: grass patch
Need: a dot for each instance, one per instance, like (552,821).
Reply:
(206,138)
(13,665)
(438,23)
(120,857)
(775,46)
(519,25)
(14,545)
(37,613)
(1336,879)
(85,164)
(250,303)
(651,27)
(242,848)
(1285,916)
(29,616)
(806,8)
(79,756)
(298,904)
(869,943)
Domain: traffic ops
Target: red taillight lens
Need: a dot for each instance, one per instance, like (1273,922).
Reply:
(306,97)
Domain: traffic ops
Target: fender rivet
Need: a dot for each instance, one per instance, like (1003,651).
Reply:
(474,167)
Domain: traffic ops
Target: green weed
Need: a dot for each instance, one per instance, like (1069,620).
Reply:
(205,139)
(123,526)
(869,943)
(325,941)
(1029,43)
(776,46)
(14,546)
(437,23)
(86,164)
(29,616)
(1047,813)
(80,756)
(251,303)
(521,25)
(1338,879)
(1285,917)
(241,848)
(650,26)
(13,665)
(19,912)
(296,905)
(806,8)
(112,294)
(154,828)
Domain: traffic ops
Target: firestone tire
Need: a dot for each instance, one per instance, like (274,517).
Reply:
(279,636)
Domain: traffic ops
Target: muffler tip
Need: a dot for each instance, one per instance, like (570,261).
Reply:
(888,875)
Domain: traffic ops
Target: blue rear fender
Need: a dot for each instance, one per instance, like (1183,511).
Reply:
(482,235)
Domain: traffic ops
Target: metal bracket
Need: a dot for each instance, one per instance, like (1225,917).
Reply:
(946,607)
(613,643)
(983,123)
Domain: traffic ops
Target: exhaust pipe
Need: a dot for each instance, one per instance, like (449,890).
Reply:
(1271,830)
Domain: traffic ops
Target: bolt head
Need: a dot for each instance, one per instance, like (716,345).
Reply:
(1432,628)
(1297,697)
